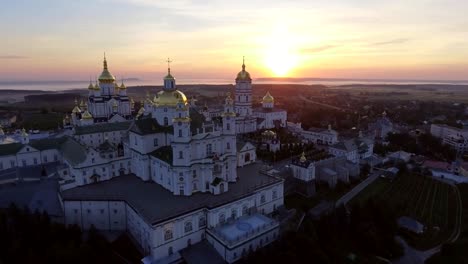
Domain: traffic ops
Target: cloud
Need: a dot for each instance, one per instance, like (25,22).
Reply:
(318,49)
(12,57)
(391,42)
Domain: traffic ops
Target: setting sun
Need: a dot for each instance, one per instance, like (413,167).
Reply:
(280,52)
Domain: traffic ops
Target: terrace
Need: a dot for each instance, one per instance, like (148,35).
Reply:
(243,229)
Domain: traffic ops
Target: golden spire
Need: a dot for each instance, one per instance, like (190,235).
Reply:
(122,86)
(303,157)
(90,86)
(243,63)
(168,66)
(105,61)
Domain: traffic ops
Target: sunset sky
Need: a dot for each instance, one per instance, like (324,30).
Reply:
(399,39)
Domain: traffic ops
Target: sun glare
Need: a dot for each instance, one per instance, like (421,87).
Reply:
(280,52)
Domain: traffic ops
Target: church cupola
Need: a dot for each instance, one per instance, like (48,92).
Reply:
(243,75)
(24,137)
(268,101)
(169,80)
(106,76)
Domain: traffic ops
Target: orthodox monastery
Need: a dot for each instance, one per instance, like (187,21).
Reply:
(166,174)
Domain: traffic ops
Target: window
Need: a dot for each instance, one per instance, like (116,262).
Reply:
(84,173)
(222,218)
(275,194)
(55,157)
(233,213)
(136,141)
(194,188)
(12,163)
(103,169)
(194,173)
(165,110)
(209,150)
(92,160)
(180,132)
(45,159)
(228,126)
(155,142)
(27,149)
(24,162)
(245,209)
(262,199)
(35,161)
(188,227)
(181,154)
(228,145)
(168,234)
(201,221)
(166,121)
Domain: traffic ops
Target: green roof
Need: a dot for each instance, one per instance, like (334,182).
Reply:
(99,128)
(47,143)
(10,149)
(149,125)
(73,151)
(163,153)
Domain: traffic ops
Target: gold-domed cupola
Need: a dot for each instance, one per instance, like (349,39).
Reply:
(243,75)
(122,85)
(170,98)
(268,98)
(106,76)
(90,86)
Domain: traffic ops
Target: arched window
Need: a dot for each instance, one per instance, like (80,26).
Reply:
(168,234)
(180,132)
(275,194)
(188,227)
(245,209)
(262,199)
(166,121)
(233,213)
(228,145)
(222,218)
(202,221)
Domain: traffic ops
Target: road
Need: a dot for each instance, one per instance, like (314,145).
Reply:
(350,195)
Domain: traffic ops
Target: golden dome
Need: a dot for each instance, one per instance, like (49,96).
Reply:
(82,104)
(87,115)
(90,86)
(269,133)
(170,98)
(76,110)
(122,86)
(106,76)
(243,75)
(268,98)
(303,157)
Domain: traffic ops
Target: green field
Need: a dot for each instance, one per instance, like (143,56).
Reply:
(430,201)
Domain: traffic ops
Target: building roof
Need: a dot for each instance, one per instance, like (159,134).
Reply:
(411,224)
(156,204)
(10,149)
(47,143)
(163,153)
(360,144)
(311,157)
(100,128)
(149,125)
(73,152)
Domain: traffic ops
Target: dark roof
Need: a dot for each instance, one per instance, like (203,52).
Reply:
(201,253)
(10,149)
(163,153)
(39,144)
(156,204)
(106,146)
(197,120)
(149,125)
(47,143)
(99,128)
(73,151)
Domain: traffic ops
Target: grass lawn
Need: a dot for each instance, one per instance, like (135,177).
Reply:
(425,199)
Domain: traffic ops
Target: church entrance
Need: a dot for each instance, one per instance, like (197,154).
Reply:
(247,157)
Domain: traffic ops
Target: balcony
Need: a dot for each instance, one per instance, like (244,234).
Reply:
(243,229)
